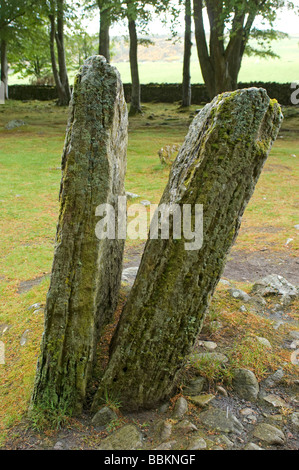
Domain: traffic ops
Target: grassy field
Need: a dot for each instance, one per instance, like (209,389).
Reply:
(30,178)
(284,69)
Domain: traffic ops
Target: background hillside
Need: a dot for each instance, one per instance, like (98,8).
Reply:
(162,62)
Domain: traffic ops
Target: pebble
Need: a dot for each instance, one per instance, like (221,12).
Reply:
(269,434)
(180,408)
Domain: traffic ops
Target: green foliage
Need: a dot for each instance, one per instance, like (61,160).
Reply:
(29,53)
(48,416)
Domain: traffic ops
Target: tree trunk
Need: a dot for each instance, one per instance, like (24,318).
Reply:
(104,35)
(4,67)
(202,49)
(220,66)
(186,97)
(86,272)
(60,71)
(61,54)
(218,167)
(135,106)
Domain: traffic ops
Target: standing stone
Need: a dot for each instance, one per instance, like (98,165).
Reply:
(217,167)
(86,272)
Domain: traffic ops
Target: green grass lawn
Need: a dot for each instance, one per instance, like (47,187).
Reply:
(30,178)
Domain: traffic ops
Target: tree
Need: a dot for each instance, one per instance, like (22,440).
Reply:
(231,26)
(132,13)
(79,46)
(12,14)
(138,14)
(56,14)
(29,53)
(186,85)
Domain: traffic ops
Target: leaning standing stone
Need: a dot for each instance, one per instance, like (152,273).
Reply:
(217,167)
(86,271)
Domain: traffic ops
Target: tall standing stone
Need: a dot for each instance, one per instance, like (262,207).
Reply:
(218,166)
(86,272)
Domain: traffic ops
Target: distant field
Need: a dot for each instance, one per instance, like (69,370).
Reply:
(165,66)
(283,70)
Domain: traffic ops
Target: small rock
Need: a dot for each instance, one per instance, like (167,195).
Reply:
(252,446)
(195,386)
(294,334)
(166,445)
(269,434)
(145,203)
(58,446)
(223,440)
(209,345)
(219,420)
(258,301)
(264,341)
(164,408)
(245,384)
(104,416)
(295,420)
(180,408)
(126,438)
(294,344)
(197,444)
(274,379)
(132,195)
(274,284)
(4,327)
(296,226)
(186,426)
(247,412)
(24,337)
(34,306)
(221,390)
(276,417)
(202,400)
(164,430)
(242,308)
(239,294)
(275,401)
(14,124)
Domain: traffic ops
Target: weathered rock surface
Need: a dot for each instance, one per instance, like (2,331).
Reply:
(14,124)
(216,169)
(274,284)
(126,438)
(202,400)
(245,384)
(86,272)
(195,386)
(239,294)
(219,420)
(269,434)
(104,416)
(180,408)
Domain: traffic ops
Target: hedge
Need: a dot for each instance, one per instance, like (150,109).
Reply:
(163,93)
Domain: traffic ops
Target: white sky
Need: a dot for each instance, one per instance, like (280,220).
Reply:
(287,22)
